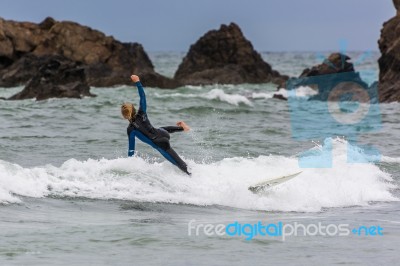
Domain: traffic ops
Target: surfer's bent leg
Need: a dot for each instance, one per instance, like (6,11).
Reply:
(179,162)
(162,141)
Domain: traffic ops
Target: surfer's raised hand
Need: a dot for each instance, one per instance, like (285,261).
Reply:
(135,78)
(183,124)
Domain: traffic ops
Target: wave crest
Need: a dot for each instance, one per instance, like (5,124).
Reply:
(223,183)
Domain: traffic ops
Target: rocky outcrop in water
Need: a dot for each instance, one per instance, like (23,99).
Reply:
(345,87)
(57,77)
(21,71)
(225,56)
(335,63)
(389,62)
(107,61)
(340,82)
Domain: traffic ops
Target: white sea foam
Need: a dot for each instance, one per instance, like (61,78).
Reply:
(224,182)
(234,99)
(302,91)
(214,94)
(262,95)
(388,159)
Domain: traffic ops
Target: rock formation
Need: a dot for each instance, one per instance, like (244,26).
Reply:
(335,63)
(57,77)
(389,62)
(340,82)
(20,71)
(225,56)
(107,61)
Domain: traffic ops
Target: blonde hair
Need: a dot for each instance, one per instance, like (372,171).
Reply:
(128,111)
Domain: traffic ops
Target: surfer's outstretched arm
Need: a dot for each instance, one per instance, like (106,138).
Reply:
(142,95)
(173,129)
(180,126)
(131,149)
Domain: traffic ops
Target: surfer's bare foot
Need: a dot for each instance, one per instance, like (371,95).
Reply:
(135,78)
(183,124)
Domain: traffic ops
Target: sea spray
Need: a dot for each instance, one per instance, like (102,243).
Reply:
(224,182)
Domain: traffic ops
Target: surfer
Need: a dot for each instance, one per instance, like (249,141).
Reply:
(140,127)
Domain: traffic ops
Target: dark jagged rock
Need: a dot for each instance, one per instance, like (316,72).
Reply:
(340,82)
(397,5)
(335,63)
(57,77)
(107,61)
(279,97)
(20,71)
(225,56)
(389,62)
(47,23)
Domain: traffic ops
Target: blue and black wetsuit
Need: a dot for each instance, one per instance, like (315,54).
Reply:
(158,138)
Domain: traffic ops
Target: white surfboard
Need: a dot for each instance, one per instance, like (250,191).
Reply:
(271,182)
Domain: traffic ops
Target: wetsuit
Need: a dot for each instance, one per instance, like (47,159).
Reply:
(158,138)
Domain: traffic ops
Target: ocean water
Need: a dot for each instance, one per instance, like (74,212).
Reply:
(70,196)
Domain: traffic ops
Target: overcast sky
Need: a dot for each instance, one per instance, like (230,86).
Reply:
(173,25)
